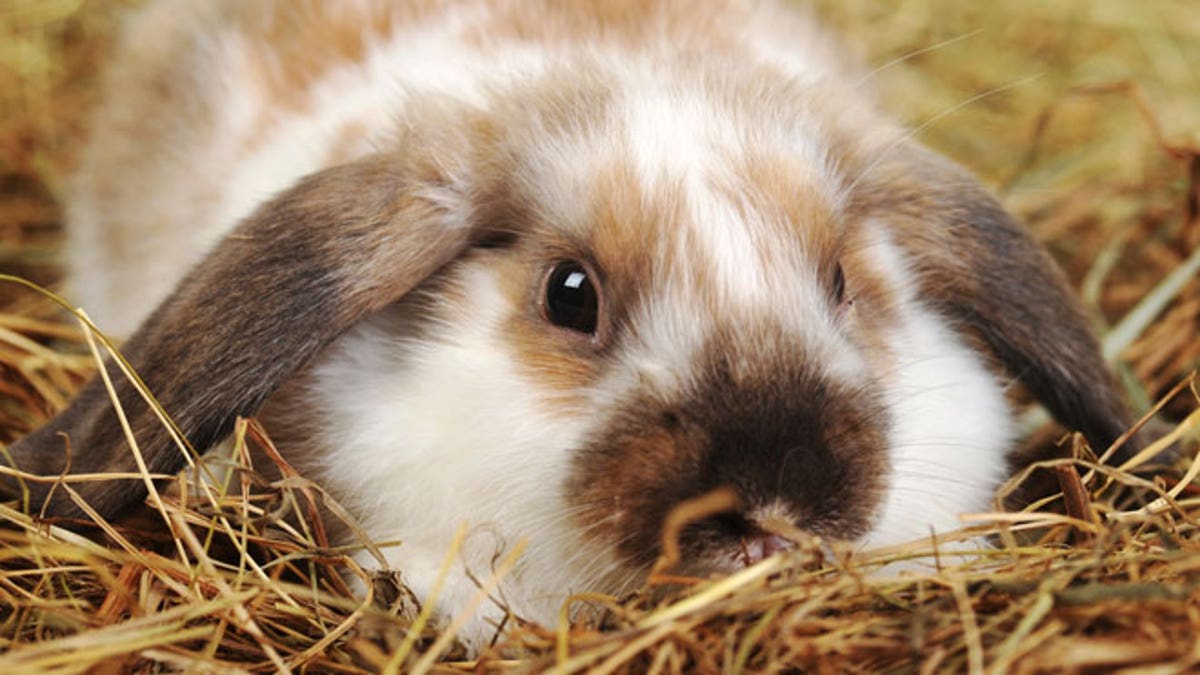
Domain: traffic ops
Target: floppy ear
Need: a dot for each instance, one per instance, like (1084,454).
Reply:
(282,285)
(980,267)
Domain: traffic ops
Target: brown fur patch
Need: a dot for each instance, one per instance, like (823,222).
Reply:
(777,434)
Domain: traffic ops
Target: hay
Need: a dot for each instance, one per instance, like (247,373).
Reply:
(1086,117)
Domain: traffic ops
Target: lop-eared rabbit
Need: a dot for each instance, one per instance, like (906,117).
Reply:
(551,269)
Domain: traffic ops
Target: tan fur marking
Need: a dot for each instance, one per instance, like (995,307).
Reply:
(633,23)
(297,42)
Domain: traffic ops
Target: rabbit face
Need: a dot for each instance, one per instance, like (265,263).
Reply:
(638,330)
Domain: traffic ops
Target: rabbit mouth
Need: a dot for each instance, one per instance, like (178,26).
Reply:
(751,548)
(759,546)
(770,529)
(727,541)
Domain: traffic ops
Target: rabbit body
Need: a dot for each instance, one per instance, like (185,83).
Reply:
(794,300)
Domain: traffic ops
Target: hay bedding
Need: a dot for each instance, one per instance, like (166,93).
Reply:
(1099,152)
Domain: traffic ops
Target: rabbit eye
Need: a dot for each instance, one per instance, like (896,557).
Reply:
(570,300)
(839,285)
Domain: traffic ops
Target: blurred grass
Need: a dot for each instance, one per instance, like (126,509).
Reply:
(49,55)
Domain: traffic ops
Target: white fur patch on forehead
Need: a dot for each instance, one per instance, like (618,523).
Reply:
(559,174)
(683,129)
(682,137)
(670,134)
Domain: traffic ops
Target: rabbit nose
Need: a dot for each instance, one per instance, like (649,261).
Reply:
(759,546)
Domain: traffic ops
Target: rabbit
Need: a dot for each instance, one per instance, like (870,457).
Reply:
(553,269)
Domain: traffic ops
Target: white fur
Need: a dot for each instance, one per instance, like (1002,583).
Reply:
(452,434)
(951,423)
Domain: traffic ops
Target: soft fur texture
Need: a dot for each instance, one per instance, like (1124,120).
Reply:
(372,194)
